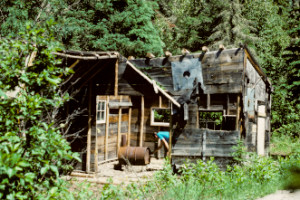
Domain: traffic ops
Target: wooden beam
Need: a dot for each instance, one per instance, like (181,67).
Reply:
(159,101)
(72,66)
(98,57)
(129,126)
(88,156)
(238,110)
(142,121)
(116,77)
(170,136)
(227,104)
(208,101)
(96,148)
(119,128)
(106,129)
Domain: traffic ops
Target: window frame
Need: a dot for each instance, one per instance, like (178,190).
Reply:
(153,123)
(101,121)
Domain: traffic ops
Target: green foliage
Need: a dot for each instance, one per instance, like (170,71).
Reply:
(217,117)
(33,153)
(232,27)
(285,144)
(186,23)
(254,177)
(116,25)
(162,115)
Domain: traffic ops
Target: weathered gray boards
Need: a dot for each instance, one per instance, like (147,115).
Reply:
(208,101)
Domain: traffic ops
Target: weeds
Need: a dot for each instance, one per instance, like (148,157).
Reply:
(252,177)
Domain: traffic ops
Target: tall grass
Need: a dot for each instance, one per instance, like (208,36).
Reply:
(249,178)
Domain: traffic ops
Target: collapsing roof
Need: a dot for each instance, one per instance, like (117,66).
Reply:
(219,71)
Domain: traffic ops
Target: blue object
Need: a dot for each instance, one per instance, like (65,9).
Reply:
(163,135)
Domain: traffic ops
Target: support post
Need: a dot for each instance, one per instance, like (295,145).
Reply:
(170,136)
(129,126)
(142,121)
(116,78)
(159,101)
(119,127)
(227,105)
(106,129)
(208,101)
(238,110)
(88,156)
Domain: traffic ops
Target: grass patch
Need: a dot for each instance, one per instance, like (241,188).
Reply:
(252,178)
(282,144)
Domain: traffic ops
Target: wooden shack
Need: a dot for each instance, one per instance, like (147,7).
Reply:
(208,101)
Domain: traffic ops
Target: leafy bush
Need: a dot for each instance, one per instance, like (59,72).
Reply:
(33,153)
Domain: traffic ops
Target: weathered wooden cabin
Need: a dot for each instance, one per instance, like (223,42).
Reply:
(208,101)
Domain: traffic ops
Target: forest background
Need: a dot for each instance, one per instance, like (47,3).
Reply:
(270,28)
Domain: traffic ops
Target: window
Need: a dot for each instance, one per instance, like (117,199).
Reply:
(101,111)
(211,120)
(160,116)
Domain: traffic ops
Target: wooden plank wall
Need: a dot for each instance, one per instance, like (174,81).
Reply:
(222,71)
(148,140)
(109,133)
(255,92)
(194,144)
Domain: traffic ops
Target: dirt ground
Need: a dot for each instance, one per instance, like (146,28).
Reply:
(282,195)
(123,175)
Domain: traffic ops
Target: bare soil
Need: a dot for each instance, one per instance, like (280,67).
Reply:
(119,174)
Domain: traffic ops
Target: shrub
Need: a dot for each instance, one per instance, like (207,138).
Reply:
(33,153)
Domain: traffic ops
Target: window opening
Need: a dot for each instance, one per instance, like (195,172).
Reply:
(211,120)
(101,111)
(160,116)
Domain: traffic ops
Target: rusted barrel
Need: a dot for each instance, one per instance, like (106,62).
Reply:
(134,155)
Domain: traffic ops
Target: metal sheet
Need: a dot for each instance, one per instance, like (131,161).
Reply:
(185,72)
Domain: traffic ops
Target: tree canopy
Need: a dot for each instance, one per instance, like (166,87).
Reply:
(133,27)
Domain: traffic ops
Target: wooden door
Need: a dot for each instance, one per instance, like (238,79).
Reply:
(261,129)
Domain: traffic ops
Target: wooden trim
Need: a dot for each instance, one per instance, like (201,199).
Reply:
(238,110)
(116,77)
(88,156)
(150,81)
(142,121)
(106,129)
